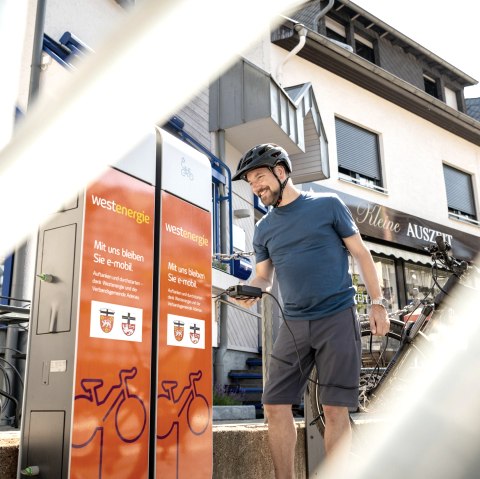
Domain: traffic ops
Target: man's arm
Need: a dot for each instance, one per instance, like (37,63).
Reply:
(263,279)
(379,322)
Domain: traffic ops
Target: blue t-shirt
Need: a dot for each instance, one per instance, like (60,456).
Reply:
(304,242)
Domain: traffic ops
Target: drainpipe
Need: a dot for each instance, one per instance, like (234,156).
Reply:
(302,33)
(219,365)
(323,12)
(12,336)
(37,51)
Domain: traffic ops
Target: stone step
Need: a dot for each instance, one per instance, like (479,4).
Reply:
(250,436)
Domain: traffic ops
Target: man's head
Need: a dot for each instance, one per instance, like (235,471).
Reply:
(259,165)
(267,154)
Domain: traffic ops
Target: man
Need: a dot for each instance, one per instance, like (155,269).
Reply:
(305,239)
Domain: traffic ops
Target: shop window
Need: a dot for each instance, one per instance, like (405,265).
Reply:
(460,198)
(388,281)
(358,155)
(419,282)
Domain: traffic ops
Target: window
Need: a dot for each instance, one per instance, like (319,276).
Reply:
(364,48)
(430,86)
(358,155)
(335,31)
(451,98)
(386,274)
(460,198)
(419,282)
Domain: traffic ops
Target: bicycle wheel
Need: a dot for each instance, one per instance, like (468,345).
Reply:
(377,351)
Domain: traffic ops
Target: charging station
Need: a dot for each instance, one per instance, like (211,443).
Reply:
(184,364)
(118,378)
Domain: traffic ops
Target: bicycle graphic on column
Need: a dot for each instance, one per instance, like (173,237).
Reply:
(188,406)
(118,408)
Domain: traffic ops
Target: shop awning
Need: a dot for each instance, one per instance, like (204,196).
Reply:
(398,253)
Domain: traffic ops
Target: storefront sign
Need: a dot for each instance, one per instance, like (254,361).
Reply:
(387,224)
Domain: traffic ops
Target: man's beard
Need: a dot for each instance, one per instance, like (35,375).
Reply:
(270,197)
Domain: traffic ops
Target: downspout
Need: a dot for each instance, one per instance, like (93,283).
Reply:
(219,374)
(37,52)
(302,33)
(12,336)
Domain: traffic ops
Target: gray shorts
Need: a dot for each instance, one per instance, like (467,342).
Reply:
(332,344)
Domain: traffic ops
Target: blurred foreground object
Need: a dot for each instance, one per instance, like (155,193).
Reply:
(117,94)
(429,427)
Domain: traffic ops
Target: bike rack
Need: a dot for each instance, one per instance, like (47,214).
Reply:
(14,314)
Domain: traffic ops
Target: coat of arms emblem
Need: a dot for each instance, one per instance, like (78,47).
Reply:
(178,330)
(106,319)
(128,326)
(194,335)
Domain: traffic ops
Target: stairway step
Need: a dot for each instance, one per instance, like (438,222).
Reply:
(254,362)
(244,375)
(250,390)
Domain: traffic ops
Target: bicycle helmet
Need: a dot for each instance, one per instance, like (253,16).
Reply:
(266,154)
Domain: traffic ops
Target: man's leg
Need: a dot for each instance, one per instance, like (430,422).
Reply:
(337,428)
(282,438)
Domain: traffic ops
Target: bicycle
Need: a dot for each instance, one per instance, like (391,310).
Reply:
(383,357)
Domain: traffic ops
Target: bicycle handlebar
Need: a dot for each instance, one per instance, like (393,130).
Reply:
(440,251)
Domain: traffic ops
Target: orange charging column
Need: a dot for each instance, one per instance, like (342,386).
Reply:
(184,384)
(110,430)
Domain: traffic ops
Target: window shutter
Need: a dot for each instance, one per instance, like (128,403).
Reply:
(459,190)
(357,149)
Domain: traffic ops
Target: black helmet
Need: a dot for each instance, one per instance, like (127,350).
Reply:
(267,154)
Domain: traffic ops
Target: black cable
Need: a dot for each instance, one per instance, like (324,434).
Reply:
(219,294)
(6,381)
(11,349)
(15,369)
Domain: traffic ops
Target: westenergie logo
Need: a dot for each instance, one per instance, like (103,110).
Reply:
(139,216)
(179,231)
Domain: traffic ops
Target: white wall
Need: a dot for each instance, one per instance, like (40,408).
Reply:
(89,20)
(412,148)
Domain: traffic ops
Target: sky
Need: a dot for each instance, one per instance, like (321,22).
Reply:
(445,27)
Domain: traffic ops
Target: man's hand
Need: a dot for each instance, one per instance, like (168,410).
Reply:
(379,322)
(263,279)
(244,303)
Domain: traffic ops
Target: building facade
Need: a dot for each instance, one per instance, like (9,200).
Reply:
(392,137)
(363,111)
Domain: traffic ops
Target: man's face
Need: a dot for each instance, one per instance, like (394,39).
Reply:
(264,185)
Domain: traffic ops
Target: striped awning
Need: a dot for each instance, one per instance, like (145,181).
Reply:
(398,253)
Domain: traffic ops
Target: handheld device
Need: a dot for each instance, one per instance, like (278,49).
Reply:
(242,291)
